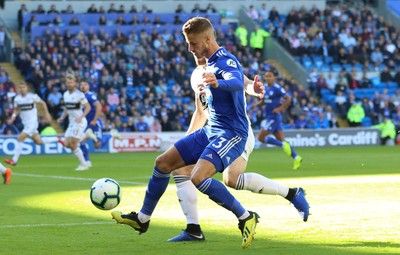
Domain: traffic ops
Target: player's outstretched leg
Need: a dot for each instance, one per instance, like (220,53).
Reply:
(187,196)
(289,150)
(248,228)
(300,203)
(89,133)
(155,189)
(114,133)
(185,236)
(132,220)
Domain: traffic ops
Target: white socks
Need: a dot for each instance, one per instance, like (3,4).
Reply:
(2,168)
(143,218)
(18,150)
(187,195)
(260,184)
(78,153)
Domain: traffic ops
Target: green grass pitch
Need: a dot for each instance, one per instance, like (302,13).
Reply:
(353,192)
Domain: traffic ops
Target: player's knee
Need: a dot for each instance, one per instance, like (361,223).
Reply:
(260,137)
(230,182)
(162,163)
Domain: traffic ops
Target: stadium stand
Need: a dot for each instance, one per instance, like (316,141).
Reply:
(146,64)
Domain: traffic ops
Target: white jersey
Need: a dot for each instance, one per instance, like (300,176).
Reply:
(27,107)
(74,103)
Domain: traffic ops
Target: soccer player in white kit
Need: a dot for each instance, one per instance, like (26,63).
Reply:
(74,100)
(25,106)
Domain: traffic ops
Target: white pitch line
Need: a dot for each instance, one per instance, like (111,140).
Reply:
(55,225)
(72,178)
(354,199)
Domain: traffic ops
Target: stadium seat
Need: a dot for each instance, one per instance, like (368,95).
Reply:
(318,62)
(375,81)
(392,85)
(325,68)
(366,122)
(336,68)
(328,60)
(348,67)
(381,85)
(325,92)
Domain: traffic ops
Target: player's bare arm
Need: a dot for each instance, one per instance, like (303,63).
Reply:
(254,87)
(97,105)
(199,117)
(15,114)
(63,115)
(46,110)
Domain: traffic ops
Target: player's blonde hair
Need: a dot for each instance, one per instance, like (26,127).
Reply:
(198,25)
(70,76)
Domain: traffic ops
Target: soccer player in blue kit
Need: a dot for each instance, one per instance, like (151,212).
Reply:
(273,124)
(211,148)
(95,125)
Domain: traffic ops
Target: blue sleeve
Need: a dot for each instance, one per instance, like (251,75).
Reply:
(91,98)
(231,74)
(233,83)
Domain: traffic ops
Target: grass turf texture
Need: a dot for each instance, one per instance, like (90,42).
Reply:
(353,193)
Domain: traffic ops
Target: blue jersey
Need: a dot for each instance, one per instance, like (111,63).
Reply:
(92,99)
(227,103)
(272,99)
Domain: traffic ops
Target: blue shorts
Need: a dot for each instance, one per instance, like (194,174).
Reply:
(97,129)
(272,124)
(220,150)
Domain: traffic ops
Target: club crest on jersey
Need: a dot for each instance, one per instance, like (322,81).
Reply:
(231,62)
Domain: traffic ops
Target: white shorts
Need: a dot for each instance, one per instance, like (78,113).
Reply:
(248,149)
(30,128)
(76,130)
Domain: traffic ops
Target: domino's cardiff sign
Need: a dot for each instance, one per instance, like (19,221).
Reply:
(332,137)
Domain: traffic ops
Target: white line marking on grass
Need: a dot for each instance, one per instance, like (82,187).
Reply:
(354,199)
(336,180)
(71,178)
(55,225)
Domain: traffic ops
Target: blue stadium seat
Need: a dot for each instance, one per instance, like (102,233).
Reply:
(375,80)
(336,68)
(328,60)
(318,62)
(366,122)
(358,67)
(307,63)
(381,85)
(325,68)
(348,67)
(325,92)
(171,82)
(392,85)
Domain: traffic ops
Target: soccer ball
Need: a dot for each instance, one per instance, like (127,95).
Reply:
(105,194)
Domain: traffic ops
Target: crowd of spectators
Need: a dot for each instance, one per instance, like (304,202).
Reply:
(142,80)
(344,43)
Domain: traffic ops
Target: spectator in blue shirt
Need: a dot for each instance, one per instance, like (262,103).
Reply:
(141,125)
(301,122)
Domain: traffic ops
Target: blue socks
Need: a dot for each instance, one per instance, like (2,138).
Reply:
(85,151)
(155,189)
(105,139)
(218,193)
(273,141)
